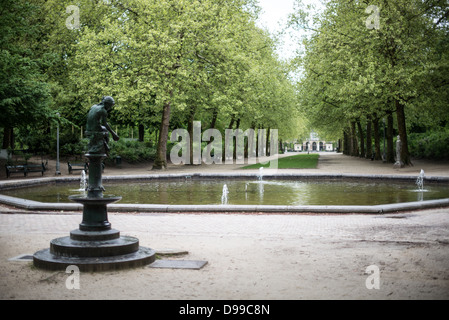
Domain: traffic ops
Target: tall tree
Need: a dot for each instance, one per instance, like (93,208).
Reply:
(356,64)
(24,91)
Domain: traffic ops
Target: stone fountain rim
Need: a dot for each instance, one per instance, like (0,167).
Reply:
(153,208)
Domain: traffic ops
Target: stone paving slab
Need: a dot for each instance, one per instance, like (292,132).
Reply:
(178,264)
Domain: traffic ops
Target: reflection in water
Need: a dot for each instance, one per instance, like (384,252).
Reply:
(257,192)
(420,196)
(261,187)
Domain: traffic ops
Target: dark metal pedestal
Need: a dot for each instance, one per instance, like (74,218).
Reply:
(94,251)
(95,246)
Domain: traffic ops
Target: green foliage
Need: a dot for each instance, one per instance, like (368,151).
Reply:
(206,59)
(24,93)
(36,143)
(202,56)
(352,72)
(71,145)
(131,151)
(430,145)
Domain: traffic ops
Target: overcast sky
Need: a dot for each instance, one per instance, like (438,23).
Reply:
(274,15)
(275,11)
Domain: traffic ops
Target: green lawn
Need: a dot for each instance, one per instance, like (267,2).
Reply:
(300,161)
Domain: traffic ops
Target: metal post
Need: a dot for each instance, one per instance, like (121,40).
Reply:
(58,172)
(385,156)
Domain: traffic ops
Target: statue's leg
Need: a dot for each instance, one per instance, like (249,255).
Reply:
(106,141)
(106,147)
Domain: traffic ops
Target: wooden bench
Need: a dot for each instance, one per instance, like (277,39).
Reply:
(77,166)
(25,169)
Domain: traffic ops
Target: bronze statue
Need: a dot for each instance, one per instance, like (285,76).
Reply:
(97,127)
(95,246)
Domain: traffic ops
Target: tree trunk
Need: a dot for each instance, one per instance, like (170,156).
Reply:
(369,141)
(160,162)
(6,137)
(267,144)
(346,144)
(377,154)
(161,155)
(214,118)
(354,144)
(191,118)
(390,148)
(141,132)
(362,139)
(402,129)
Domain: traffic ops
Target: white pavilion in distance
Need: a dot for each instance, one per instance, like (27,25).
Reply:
(314,144)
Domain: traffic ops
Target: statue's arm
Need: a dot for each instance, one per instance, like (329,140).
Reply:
(114,135)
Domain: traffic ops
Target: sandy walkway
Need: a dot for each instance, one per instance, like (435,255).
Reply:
(328,163)
(250,256)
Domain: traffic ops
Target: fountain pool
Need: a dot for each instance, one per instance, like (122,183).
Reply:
(274,191)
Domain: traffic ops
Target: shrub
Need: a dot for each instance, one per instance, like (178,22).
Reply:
(430,145)
(37,142)
(132,151)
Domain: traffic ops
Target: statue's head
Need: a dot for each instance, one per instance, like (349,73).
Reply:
(108,102)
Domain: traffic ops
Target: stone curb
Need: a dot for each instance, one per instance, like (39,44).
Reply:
(154,208)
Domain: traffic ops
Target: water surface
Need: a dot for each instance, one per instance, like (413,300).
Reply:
(265,192)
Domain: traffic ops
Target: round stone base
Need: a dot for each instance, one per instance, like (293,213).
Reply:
(94,251)
(44,259)
(68,247)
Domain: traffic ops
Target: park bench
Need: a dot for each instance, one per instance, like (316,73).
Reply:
(15,169)
(77,166)
(34,168)
(25,169)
